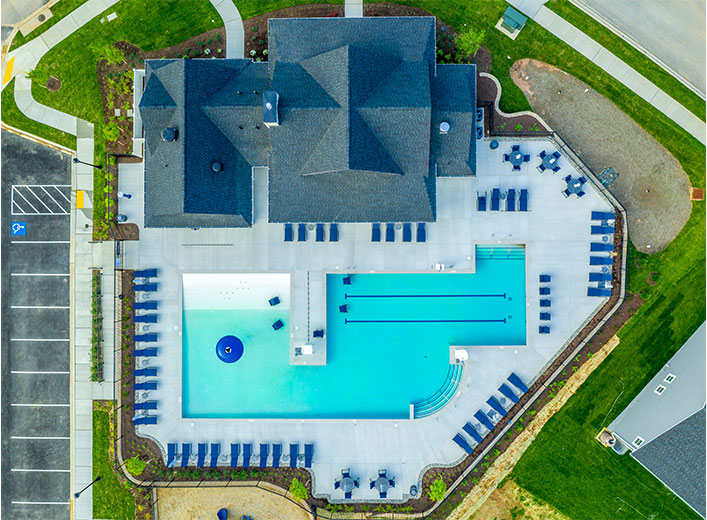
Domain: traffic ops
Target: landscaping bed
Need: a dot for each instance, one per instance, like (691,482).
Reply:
(513,125)
(96,327)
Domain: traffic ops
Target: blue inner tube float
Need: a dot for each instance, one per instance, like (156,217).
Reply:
(229,349)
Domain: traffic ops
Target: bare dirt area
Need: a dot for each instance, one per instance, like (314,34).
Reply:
(651,185)
(510,501)
(203,503)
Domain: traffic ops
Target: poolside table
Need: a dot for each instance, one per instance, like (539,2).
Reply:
(574,186)
(515,158)
(549,161)
(382,484)
(347,484)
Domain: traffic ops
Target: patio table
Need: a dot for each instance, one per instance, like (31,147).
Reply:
(549,161)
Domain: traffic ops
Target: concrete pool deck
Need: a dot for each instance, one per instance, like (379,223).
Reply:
(555,231)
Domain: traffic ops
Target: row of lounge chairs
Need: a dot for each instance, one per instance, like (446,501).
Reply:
(544,290)
(603,279)
(318,232)
(488,419)
(421,235)
(238,458)
(142,280)
(496,200)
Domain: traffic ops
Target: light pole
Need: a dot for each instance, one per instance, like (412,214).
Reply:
(77,495)
(98,167)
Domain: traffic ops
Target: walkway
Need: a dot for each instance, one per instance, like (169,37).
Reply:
(604,59)
(235,40)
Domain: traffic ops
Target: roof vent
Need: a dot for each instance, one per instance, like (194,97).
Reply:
(443,127)
(216,166)
(169,134)
(271,116)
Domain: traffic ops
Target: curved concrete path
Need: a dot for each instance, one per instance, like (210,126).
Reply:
(232,22)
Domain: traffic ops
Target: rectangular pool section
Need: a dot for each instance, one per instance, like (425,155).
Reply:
(390,348)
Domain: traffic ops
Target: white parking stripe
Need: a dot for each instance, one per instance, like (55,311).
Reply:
(19,437)
(38,372)
(42,202)
(40,405)
(49,195)
(45,340)
(19,211)
(25,199)
(39,470)
(61,192)
(39,274)
(41,241)
(39,306)
(21,503)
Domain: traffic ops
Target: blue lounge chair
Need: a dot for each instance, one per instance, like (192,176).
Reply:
(171,454)
(598,291)
(517,382)
(147,385)
(543,329)
(600,277)
(495,199)
(145,372)
(294,453)
(481,202)
(545,316)
(145,287)
(508,393)
(301,232)
(145,352)
(235,452)
(145,306)
(215,451)
(289,233)
(146,405)
(276,454)
(545,278)
(247,452)
(390,232)
(421,234)
(375,232)
(201,456)
(147,338)
(318,333)
(186,452)
(274,301)
(496,405)
(601,246)
(264,450)
(333,233)
(461,442)
(544,291)
(145,273)
(278,325)
(319,236)
(511,200)
(601,260)
(145,419)
(145,318)
(308,453)
(407,232)
(483,419)
(471,432)
(603,215)
(602,230)
(223,514)
(523,200)
(545,303)
(343,309)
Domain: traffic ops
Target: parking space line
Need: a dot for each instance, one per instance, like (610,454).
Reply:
(29,405)
(39,274)
(40,241)
(39,339)
(49,195)
(35,190)
(39,306)
(37,372)
(20,437)
(22,503)
(36,211)
(39,470)
(42,202)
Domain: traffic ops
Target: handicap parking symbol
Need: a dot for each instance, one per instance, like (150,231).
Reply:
(18,229)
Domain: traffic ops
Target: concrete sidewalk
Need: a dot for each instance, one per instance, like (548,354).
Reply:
(235,39)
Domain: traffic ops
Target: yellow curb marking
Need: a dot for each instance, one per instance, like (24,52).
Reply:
(8,71)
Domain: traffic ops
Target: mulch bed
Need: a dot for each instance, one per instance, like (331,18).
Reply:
(500,125)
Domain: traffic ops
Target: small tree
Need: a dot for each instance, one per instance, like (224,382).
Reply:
(437,490)
(39,76)
(297,490)
(111,131)
(135,466)
(469,40)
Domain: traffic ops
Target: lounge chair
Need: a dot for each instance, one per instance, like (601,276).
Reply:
(333,233)
(145,405)
(508,393)
(301,232)
(471,432)
(598,291)
(147,338)
(601,246)
(145,273)
(461,442)
(421,233)
(600,277)
(407,232)
(337,484)
(186,452)
(171,454)
(543,329)
(319,333)
(511,200)
(481,203)
(247,452)
(346,280)
(545,278)
(145,318)
(523,201)
(289,234)
(517,382)
(278,325)
(603,215)
(375,232)
(201,456)
(545,303)
(145,372)
(481,417)
(145,306)
(544,291)
(147,385)
(495,199)
(526,158)
(496,405)
(145,419)
(215,451)
(319,233)
(145,287)
(264,451)
(294,454)
(602,230)
(276,454)
(145,352)
(390,232)
(343,309)
(601,260)
(235,452)
(308,453)
(545,316)
(275,300)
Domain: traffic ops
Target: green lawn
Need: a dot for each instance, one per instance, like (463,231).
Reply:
(59,11)
(251,8)
(110,498)
(628,53)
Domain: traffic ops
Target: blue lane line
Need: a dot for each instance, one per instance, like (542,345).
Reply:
(346,295)
(425,321)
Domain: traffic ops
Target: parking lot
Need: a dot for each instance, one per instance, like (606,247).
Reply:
(35,330)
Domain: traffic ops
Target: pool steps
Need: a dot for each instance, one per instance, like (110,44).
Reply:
(441,397)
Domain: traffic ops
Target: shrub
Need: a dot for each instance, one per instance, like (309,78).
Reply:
(437,490)
(297,490)
(111,54)
(502,126)
(469,40)
(518,127)
(111,131)
(135,466)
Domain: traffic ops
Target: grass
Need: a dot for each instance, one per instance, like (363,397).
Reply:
(110,498)
(628,53)
(252,8)
(59,11)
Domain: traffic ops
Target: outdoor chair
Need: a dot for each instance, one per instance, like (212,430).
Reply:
(319,236)
(145,352)
(544,291)
(276,454)
(201,457)
(318,333)
(421,234)
(566,193)
(526,158)
(264,450)
(145,372)
(186,453)
(515,148)
(581,194)
(544,330)
(471,432)
(542,154)
(278,325)
(289,235)
(302,233)
(407,232)
(147,385)
(308,454)
(390,232)
(517,382)
(343,309)
(275,300)
(144,273)
(146,419)
(247,452)
(545,278)
(461,442)
(375,232)
(545,316)
(215,451)
(506,157)
(333,233)
(235,452)
(508,393)
(146,405)
(545,303)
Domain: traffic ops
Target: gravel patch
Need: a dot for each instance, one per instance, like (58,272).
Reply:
(651,185)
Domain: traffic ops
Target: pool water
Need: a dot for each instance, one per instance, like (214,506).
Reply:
(390,349)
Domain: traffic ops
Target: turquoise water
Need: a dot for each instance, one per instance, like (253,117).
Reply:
(390,349)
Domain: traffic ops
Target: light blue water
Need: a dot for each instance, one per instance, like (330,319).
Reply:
(390,349)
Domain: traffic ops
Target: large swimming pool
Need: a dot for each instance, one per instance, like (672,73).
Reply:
(390,349)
